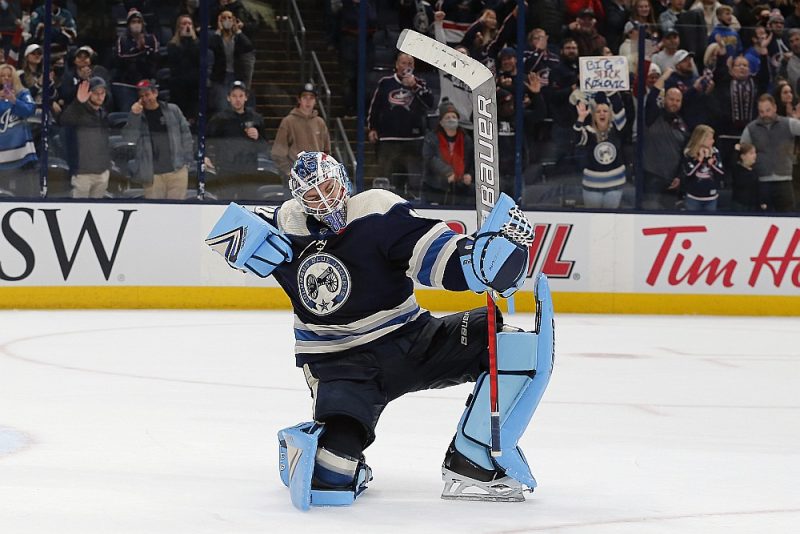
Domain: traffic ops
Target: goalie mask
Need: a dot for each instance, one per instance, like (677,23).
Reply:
(320,184)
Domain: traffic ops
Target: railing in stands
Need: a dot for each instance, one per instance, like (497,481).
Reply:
(343,152)
(296,32)
(323,89)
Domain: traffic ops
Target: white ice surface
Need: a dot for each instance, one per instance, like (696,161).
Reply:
(164,422)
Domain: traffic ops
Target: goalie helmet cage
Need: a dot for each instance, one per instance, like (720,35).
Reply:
(481,82)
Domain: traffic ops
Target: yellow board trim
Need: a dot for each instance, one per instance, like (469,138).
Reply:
(273,298)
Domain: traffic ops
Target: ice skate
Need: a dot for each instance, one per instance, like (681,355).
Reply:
(463,480)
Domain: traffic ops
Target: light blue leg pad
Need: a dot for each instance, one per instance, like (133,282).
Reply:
(297,450)
(524,363)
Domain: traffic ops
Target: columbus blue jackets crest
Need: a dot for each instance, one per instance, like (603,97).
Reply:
(323,283)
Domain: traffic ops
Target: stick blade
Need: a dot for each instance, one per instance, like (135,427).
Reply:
(471,72)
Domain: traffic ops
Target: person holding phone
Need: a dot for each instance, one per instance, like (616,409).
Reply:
(18,174)
(183,59)
(396,121)
(164,146)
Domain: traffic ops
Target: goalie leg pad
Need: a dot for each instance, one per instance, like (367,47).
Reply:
(301,462)
(248,242)
(525,363)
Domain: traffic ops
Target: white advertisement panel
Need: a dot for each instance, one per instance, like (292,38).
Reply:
(110,244)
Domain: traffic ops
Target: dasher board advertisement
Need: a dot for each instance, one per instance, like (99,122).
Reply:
(157,250)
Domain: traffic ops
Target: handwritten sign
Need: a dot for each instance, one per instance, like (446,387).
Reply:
(604,74)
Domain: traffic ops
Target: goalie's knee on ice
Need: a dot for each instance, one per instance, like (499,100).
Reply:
(317,476)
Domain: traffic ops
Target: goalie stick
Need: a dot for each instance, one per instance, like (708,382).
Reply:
(481,82)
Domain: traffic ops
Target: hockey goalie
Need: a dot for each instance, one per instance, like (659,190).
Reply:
(349,264)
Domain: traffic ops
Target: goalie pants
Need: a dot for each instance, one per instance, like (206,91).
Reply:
(443,352)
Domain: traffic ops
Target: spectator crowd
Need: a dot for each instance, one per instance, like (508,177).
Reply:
(124,92)
(720,95)
(719,118)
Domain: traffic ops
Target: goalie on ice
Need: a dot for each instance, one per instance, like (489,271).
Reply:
(349,264)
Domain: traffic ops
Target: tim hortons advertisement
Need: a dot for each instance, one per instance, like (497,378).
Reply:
(624,253)
(725,255)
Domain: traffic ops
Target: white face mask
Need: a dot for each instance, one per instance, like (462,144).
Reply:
(449,124)
(136,27)
(4,4)
(227,24)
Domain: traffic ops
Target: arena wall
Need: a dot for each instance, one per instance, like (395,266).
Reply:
(119,255)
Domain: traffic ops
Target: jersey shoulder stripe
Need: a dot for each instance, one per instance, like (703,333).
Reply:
(372,202)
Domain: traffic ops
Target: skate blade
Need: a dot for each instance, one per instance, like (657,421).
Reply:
(486,498)
(457,488)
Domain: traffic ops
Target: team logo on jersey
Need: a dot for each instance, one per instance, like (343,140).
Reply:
(605,153)
(401,97)
(324,283)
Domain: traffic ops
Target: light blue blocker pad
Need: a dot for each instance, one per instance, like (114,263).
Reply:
(519,355)
(297,451)
(247,241)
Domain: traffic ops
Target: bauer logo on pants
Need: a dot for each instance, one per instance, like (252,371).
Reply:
(324,283)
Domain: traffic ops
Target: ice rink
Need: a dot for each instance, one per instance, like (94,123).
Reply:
(164,422)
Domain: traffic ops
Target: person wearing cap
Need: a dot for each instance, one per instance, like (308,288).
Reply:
(695,89)
(777,48)
(87,119)
(30,73)
(18,172)
(163,144)
(234,58)
(666,57)
(136,54)
(236,136)
(396,121)
(665,137)
(447,155)
(302,130)
(83,69)
(630,46)
(584,30)
(63,29)
(507,68)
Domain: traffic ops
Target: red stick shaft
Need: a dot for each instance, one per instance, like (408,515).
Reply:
(494,404)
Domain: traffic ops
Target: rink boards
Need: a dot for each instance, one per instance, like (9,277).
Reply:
(119,255)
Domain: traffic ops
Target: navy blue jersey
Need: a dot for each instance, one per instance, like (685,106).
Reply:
(353,288)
